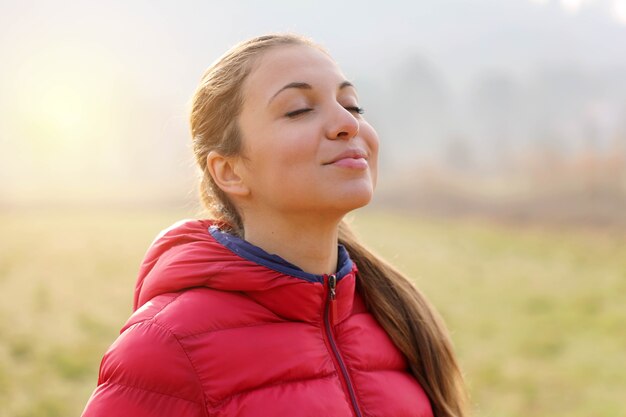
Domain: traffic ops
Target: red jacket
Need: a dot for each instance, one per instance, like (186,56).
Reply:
(222,328)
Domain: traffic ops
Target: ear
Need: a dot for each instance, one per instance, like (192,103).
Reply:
(225,173)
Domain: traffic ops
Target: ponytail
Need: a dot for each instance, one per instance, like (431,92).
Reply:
(413,325)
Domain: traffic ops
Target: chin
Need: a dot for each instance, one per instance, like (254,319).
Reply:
(354,198)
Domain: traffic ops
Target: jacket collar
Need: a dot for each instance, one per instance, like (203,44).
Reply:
(195,253)
(255,254)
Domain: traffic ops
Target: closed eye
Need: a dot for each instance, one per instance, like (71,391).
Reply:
(355,109)
(297,112)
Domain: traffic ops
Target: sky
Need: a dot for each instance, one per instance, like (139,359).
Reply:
(93,94)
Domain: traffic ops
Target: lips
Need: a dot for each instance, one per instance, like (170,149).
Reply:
(350,154)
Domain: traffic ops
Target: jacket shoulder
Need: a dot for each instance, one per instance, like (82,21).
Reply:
(150,357)
(146,372)
(202,310)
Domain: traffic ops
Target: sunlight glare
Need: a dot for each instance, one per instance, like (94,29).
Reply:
(571,6)
(619,11)
(60,110)
(60,98)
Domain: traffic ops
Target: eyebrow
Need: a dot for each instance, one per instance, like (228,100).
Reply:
(305,86)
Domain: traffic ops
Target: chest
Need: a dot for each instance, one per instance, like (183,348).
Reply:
(268,366)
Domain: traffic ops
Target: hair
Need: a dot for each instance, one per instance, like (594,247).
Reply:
(403,311)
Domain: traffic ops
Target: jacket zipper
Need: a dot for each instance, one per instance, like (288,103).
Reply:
(329,312)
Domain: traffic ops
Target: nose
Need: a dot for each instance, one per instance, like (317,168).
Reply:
(342,124)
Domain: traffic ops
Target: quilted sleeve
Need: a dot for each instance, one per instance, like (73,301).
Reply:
(146,372)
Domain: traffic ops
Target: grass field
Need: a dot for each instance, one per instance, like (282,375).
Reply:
(537,316)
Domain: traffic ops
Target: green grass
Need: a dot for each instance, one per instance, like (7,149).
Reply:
(537,316)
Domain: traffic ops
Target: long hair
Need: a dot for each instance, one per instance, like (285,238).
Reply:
(401,309)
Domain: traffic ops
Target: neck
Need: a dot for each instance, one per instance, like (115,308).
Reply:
(307,242)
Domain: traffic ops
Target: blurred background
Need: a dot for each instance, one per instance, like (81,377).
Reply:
(502,185)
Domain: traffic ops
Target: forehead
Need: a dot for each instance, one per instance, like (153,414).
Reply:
(294,63)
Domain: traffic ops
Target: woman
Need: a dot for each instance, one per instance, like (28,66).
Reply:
(274,308)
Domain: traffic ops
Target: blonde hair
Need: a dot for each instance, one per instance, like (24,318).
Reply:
(403,311)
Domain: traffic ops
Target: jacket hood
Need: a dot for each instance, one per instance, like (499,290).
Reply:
(196,253)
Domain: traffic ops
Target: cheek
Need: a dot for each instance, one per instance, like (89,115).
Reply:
(293,145)
(371,138)
(283,157)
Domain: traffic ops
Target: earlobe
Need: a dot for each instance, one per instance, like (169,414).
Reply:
(225,173)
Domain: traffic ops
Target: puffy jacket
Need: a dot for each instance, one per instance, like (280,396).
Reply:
(222,328)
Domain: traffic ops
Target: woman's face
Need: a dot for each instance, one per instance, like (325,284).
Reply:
(306,148)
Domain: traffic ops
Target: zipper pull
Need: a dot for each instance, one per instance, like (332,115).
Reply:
(332,285)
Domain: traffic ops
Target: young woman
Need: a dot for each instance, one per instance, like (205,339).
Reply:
(273,308)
